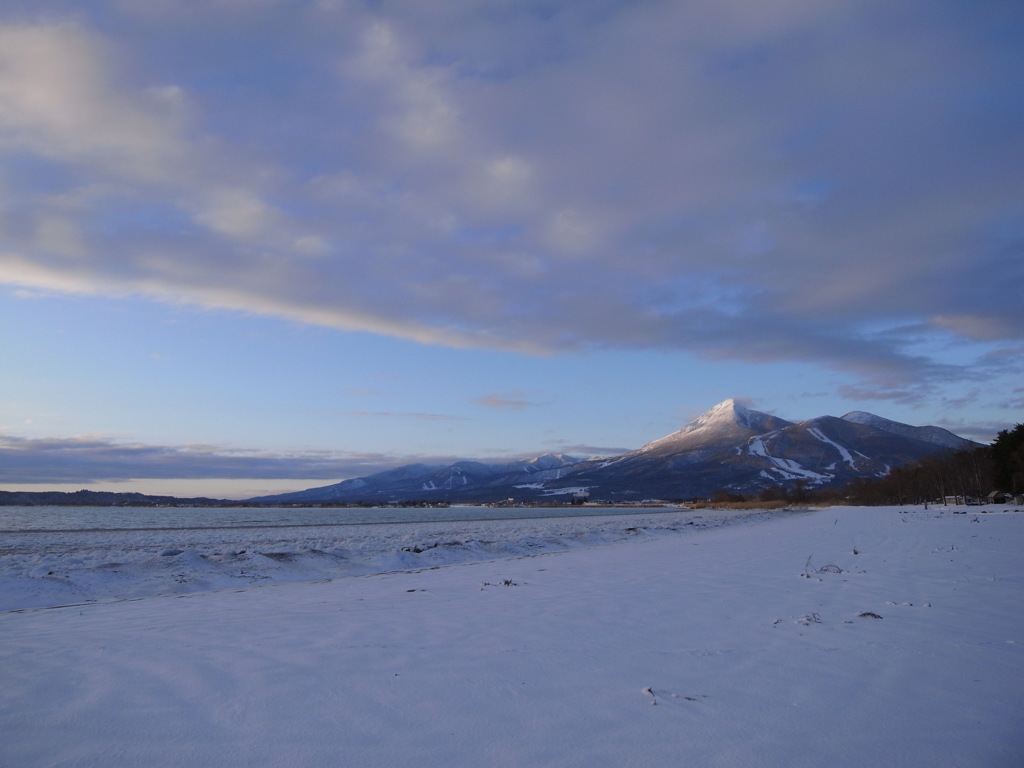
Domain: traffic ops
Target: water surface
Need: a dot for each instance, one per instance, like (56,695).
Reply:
(55,518)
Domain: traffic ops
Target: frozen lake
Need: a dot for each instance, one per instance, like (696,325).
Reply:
(45,518)
(68,555)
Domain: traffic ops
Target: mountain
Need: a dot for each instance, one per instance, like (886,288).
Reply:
(728,448)
(936,435)
(463,480)
(86,498)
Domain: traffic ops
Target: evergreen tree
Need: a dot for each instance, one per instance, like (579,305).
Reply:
(1008,460)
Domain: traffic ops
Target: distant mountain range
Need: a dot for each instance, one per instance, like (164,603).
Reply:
(85,498)
(729,448)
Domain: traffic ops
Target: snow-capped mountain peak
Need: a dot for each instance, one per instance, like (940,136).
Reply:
(724,422)
(726,412)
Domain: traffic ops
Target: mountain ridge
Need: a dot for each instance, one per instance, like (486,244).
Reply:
(729,447)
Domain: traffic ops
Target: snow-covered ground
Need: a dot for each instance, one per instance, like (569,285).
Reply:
(842,637)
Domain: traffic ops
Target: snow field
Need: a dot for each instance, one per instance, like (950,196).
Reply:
(722,648)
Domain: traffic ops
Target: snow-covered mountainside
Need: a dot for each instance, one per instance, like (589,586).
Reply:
(729,447)
(467,480)
(828,451)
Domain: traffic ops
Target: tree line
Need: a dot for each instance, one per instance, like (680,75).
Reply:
(962,475)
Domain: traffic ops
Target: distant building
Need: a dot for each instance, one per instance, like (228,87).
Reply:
(1000,497)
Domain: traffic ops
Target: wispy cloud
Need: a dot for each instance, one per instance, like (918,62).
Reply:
(706,176)
(504,401)
(908,395)
(412,415)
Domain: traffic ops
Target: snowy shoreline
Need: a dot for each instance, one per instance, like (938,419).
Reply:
(52,568)
(843,637)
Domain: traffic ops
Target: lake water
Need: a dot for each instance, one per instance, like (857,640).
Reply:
(186,518)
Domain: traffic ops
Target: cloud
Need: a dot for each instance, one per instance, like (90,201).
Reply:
(705,177)
(237,213)
(1014,400)
(412,416)
(417,109)
(508,401)
(60,101)
(910,395)
(976,327)
(97,459)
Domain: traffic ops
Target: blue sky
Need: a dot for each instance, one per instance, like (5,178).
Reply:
(252,245)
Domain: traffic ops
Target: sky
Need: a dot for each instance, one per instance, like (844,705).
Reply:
(249,246)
